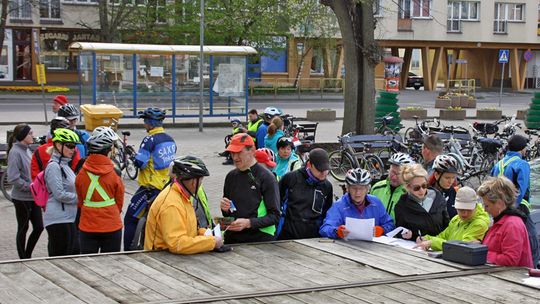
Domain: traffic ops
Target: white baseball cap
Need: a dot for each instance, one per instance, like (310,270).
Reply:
(465,199)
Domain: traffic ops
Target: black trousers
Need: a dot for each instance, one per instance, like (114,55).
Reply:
(95,242)
(27,212)
(61,239)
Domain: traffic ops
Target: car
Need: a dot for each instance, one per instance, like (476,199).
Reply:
(415,81)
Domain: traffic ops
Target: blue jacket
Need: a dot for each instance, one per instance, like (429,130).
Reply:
(261,133)
(271,141)
(518,171)
(283,166)
(344,208)
(83,136)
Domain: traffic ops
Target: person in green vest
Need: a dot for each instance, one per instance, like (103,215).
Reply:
(254,122)
(390,190)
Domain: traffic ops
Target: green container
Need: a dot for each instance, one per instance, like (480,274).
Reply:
(535,101)
(533,125)
(532,118)
(533,113)
(392,95)
(386,101)
(534,106)
(537,95)
(380,114)
(386,108)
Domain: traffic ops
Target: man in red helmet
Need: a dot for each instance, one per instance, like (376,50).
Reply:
(59,101)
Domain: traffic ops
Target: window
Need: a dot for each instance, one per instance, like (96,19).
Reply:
(20,9)
(415,9)
(461,11)
(49,9)
(80,1)
(415,59)
(507,12)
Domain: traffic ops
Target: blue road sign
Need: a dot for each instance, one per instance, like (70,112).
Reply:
(503,56)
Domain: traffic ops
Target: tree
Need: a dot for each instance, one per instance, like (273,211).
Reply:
(362,53)
(4,6)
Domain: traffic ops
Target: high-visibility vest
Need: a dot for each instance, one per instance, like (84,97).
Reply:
(502,166)
(95,186)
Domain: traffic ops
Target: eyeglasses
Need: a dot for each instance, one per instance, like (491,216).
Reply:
(417,187)
(70,146)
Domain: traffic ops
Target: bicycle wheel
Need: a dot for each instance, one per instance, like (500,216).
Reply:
(340,163)
(131,170)
(5,186)
(412,135)
(119,157)
(374,165)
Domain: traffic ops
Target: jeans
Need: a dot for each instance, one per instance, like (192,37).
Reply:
(27,211)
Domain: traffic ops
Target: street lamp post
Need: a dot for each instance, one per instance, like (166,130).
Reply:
(201,62)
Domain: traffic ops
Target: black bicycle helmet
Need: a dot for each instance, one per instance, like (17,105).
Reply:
(188,167)
(401,158)
(59,122)
(358,176)
(153,113)
(284,142)
(68,111)
(444,163)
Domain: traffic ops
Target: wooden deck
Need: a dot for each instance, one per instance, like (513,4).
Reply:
(303,271)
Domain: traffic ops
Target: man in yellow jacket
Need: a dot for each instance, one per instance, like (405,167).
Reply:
(172,222)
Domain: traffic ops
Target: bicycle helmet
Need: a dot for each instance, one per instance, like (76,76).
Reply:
(152,113)
(102,139)
(188,167)
(59,122)
(63,135)
(284,142)
(401,158)
(270,112)
(236,121)
(269,152)
(358,176)
(444,163)
(68,111)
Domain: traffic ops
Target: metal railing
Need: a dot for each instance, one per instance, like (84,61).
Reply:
(461,86)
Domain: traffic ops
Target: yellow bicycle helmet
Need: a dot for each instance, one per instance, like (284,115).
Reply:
(65,136)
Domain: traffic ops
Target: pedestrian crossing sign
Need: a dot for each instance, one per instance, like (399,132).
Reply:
(503,56)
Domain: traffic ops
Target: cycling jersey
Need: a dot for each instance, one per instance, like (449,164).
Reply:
(156,152)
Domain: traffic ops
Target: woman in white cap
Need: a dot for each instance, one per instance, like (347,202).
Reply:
(470,224)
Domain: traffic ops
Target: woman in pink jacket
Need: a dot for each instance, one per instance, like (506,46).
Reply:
(507,240)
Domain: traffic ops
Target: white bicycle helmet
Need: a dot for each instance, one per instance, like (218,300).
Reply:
(270,153)
(444,163)
(358,176)
(270,112)
(102,139)
(401,158)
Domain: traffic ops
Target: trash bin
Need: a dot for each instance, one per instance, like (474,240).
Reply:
(100,115)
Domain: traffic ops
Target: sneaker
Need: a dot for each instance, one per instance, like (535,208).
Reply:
(228,162)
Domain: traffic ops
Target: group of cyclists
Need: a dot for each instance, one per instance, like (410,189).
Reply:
(270,194)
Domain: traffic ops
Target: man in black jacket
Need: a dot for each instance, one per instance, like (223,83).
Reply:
(306,195)
(250,195)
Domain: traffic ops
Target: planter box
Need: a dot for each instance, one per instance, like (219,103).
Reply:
(463,99)
(442,103)
(452,114)
(521,114)
(488,114)
(455,101)
(470,103)
(409,114)
(320,115)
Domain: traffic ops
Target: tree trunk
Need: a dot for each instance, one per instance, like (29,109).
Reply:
(3,20)
(362,53)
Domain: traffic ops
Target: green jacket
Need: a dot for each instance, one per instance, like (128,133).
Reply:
(204,202)
(472,230)
(389,199)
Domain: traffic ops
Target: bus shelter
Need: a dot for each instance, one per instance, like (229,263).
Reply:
(136,76)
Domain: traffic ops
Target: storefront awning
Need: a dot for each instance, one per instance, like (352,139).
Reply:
(125,48)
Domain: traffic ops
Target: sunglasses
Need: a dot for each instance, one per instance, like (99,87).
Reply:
(417,187)
(70,146)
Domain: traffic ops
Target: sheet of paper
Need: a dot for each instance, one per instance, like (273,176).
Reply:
(360,229)
(383,240)
(208,232)
(217,230)
(532,281)
(396,242)
(394,232)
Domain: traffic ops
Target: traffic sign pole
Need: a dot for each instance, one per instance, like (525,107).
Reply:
(503,58)
(502,80)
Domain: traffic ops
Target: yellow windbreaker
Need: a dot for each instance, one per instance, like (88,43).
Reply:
(172,224)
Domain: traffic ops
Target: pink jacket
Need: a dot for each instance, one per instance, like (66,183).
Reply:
(508,243)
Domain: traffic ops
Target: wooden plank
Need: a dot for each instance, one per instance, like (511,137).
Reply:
(445,289)
(140,285)
(416,291)
(397,295)
(369,296)
(160,282)
(35,284)
(11,292)
(97,281)
(515,277)
(353,254)
(68,282)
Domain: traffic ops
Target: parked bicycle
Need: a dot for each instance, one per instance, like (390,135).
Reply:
(421,130)
(124,156)
(346,158)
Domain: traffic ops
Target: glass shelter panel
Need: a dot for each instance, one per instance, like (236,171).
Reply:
(154,81)
(228,85)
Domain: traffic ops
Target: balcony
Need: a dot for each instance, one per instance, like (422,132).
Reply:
(404,25)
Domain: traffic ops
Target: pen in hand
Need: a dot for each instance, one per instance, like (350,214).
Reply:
(420,235)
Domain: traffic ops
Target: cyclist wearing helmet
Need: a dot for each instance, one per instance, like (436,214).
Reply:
(61,211)
(18,175)
(173,223)
(444,175)
(156,153)
(100,193)
(266,157)
(422,210)
(356,203)
(40,157)
(306,195)
(71,113)
(286,159)
(269,113)
(390,190)
(250,195)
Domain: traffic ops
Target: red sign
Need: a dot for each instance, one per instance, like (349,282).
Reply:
(528,55)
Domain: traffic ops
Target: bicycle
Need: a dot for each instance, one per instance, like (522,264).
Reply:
(346,158)
(384,129)
(421,130)
(124,156)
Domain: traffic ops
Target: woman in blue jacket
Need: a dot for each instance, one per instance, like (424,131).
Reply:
(356,203)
